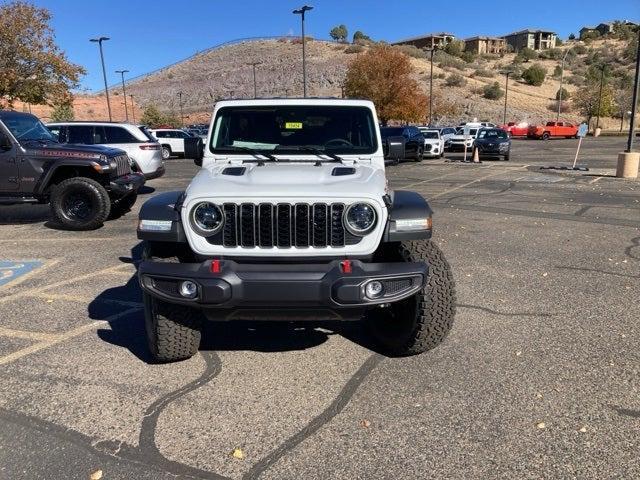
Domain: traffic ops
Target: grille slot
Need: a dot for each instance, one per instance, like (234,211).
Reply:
(123,165)
(283,225)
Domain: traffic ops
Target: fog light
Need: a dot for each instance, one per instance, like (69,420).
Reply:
(188,289)
(373,289)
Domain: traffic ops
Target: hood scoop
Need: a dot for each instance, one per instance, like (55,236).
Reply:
(234,171)
(342,171)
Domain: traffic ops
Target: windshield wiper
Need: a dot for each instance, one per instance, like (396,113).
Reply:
(255,153)
(319,153)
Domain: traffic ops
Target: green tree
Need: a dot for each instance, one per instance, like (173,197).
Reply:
(32,67)
(339,33)
(383,74)
(62,113)
(535,74)
(153,117)
(527,54)
(493,91)
(572,36)
(587,100)
(455,48)
(565,94)
(360,37)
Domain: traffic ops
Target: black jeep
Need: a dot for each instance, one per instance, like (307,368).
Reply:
(83,184)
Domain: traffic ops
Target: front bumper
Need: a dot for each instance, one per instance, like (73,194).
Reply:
(126,184)
(459,147)
(327,285)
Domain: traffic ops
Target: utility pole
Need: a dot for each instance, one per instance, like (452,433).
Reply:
(181,113)
(301,12)
(602,67)
(255,85)
(124,93)
(133,109)
(561,84)
(634,106)
(99,41)
(506,95)
(432,51)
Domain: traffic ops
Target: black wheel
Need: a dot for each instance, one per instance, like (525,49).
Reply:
(442,153)
(507,157)
(545,136)
(123,205)
(421,322)
(173,331)
(166,152)
(80,203)
(419,154)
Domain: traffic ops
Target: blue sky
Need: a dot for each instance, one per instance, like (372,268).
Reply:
(146,35)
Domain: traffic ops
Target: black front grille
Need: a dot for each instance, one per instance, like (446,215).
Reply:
(123,165)
(283,225)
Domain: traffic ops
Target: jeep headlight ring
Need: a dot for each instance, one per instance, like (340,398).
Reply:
(359,218)
(206,218)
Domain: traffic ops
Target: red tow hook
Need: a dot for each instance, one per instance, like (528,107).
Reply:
(346,267)
(215,266)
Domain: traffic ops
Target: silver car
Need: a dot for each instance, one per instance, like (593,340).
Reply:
(142,148)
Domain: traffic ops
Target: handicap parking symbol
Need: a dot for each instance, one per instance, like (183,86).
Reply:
(10,270)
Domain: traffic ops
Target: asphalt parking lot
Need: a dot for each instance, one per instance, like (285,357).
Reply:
(539,377)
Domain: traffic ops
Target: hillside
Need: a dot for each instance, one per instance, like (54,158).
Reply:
(225,72)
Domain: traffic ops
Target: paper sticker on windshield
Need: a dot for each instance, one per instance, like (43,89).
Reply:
(293,125)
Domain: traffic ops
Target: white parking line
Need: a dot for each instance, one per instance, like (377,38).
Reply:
(27,335)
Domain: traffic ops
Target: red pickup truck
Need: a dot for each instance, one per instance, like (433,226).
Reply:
(516,129)
(553,129)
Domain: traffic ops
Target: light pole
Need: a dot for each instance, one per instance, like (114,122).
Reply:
(432,51)
(99,41)
(133,109)
(634,106)
(506,95)
(255,85)
(602,67)
(181,113)
(301,12)
(124,93)
(561,84)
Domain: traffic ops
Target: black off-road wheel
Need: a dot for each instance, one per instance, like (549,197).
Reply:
(421,322)
(173,331)
(80,203)
(419,154)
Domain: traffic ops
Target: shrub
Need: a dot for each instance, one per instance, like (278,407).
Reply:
(455,80)
(493,91)
(358,35)
(565,94)
(468,57)
(445,60)
(455,48)
(483,72)
(552,54)
(441,75)
(579,49)
(553,107)
(411,50)
(354,49)
(534,75)
(557,71)
(62,113)
(576,80)
(526,54)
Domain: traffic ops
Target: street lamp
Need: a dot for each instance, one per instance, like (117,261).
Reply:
(602,67)
(506,95)
(99,41)
(255,85)
(124,93)
(561,84)
(432,51)
(301,12)
(181,113)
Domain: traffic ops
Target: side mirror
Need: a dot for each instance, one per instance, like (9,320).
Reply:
(194,148)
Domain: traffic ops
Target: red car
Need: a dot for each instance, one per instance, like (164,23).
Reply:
(553,129)
(516,129)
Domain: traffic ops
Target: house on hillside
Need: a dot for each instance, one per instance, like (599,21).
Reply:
(494,45)
(533,39)
(604,28)
(429,40)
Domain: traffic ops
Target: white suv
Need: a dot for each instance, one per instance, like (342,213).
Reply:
(171,139)
(433,142)
(291,218)
(143,150)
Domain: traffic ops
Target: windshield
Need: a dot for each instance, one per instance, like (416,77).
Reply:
(472,131)
(492,134)
(430,135)
(27,127)
(288,129)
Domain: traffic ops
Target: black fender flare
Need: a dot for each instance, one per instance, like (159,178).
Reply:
(164,206)
(406,205)
(49,169)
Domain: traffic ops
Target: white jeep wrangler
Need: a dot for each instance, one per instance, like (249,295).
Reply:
(291,218)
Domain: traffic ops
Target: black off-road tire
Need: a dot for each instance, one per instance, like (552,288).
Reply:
(419,154)
(421,322)
(83,189)
(123,205)
(173,331)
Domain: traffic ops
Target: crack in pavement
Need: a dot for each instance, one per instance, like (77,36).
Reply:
(341,401)
(506,314)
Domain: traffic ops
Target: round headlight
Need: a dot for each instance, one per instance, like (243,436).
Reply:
(206,219)
(360,218)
